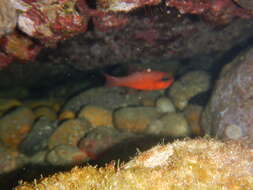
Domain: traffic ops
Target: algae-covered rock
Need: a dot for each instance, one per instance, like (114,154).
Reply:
(109,98)
(122,5)
(100,141)
(66,114)
(53,103)
(37,138)
(172,124)
(135,119)
(69,132)
(15,125)
(10,160)
(64,155)
(189,86)
(182,165)
(7,104)
(164,105)
(46,112)
(228,114)
(96,115)
(8,17)
(192,114)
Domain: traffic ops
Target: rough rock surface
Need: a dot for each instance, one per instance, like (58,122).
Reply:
(135,119)
(144,39)
(246,4)
(69,132)
(188,86)
(172,124)
(147,38)
(191,164)
(109,98)
(63,155)
(230,109)
(8,17)
(36,139)
(15,125)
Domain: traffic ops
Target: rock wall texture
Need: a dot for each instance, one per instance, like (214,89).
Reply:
(229,112)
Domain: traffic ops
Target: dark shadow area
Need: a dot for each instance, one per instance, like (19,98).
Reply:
(129,148)
(230,55)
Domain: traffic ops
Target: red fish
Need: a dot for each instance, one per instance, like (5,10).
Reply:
(145,80)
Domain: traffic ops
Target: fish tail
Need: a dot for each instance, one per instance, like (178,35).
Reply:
(110,81)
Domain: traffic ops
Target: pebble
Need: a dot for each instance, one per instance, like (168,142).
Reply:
(45,111)
(188,86)
(109,98)
(66,115)
(99,140)
(96,115)
(55,104)
(36,139)
(66,155)
(171,124)
(164,105)
(10,160)
(135,119)
(15,126)
(192,114)
(38,158)
(69,132)
(7,104)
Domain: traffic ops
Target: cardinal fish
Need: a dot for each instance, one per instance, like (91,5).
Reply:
(144,80)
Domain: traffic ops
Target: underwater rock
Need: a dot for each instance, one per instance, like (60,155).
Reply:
(65,155)
(96,115)
(123,5)
(38,158)
(229,112)
(134,119)
(192,114)
(188,164)
(53,103)
(46,112)
(10,160)
(15,125)
(8,17)
(172,124)
(100,140)
(36,139)
(164,105)
(109,98)
(246,4)
(69,132)
(66,115)
(187,87)
(7,104)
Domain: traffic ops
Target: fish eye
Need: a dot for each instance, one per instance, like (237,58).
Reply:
(165,79)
